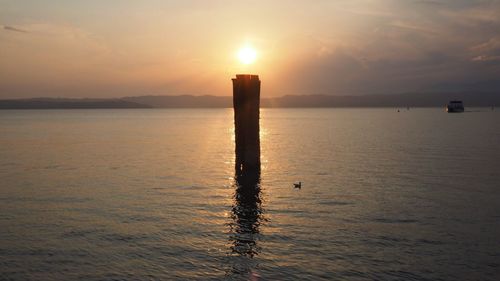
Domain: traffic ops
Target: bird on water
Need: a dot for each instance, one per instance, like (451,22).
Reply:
(298,185)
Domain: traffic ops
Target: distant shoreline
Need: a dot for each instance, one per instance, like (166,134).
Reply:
(483,99)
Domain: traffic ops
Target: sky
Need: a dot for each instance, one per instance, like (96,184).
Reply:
(105,49)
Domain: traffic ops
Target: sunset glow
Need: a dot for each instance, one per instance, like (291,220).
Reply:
(357,47)
(247,55)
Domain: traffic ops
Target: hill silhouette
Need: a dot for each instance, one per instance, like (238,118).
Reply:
(397,100)
(470,99)
(60,103)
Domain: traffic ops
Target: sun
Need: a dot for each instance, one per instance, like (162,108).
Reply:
(247,55)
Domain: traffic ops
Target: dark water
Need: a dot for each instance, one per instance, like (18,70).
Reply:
(151,194)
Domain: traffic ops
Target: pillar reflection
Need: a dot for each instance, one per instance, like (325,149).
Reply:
(246,219)
(246,213)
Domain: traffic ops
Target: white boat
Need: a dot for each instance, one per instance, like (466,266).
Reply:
(455,106)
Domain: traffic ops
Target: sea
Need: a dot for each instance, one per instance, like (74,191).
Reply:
(152,194)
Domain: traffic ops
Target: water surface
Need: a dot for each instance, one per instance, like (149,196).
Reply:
(151,194)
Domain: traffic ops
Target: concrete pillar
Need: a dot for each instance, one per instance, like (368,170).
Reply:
(246,103)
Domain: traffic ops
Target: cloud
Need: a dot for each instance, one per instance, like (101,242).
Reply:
(486,58)
(348,71)
(14,29)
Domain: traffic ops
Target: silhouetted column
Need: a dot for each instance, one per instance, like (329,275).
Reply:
(246,102)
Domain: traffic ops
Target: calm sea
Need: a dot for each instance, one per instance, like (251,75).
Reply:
(150,194)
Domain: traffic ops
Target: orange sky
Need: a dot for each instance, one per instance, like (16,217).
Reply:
(125,48)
